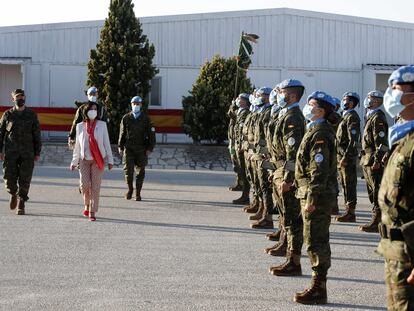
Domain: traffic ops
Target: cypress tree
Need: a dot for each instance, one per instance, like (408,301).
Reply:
(205,109)
(121,65)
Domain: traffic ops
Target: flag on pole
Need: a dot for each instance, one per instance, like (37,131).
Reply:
(246,49)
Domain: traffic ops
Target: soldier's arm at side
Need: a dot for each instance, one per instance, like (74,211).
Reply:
(3,122)
(37,137)
(354,133)
(292,136)
(319,168)
(151,136)
(122,135)
(380,139)
(76,120)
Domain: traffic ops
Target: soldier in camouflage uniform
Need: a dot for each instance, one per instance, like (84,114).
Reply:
(396,194)
(248,147)
(338,111)
(374,147)
(263,218)
(348,141)
(136,142)
(315,179)
(92,94)
(288,134)
(232,114)
(242,113)
(21,139)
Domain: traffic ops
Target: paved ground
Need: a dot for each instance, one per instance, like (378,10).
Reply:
(183,248)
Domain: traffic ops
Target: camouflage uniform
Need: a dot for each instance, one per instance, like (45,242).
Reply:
(396,200)
(21,139)
(374,147)
(348,137)
(289,130)
(232,114)
(136,137)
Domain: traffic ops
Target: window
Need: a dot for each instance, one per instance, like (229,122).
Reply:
(154,96)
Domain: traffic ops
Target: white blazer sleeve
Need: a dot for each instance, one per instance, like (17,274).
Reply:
(76,151)
(107,145)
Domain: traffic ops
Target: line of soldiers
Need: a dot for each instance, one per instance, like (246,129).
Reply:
(291,161)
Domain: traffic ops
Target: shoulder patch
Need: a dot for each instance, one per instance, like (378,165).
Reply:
(291,141)
(353,131)
(318,158)
(381,134)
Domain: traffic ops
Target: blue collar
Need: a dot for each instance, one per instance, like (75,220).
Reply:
(347,111)
(275,109)
(261,109)
(136,114)
(371,112)
(313,123)
(293,106)
(399,131)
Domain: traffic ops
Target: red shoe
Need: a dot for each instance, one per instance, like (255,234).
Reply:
(86,213)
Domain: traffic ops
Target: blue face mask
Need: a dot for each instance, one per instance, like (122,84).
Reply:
(281,100)
(136,108)
(273,97)
(307,112)
(238,102)
(392,102)
(367,102)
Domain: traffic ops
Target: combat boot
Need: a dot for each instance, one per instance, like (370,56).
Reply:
(128,194)
(13,201)
(349,215)
(20,208)
(264,223)
(280,248)
(291,267)
(274,236)
(372,226)
(259,213)
(315,295)
(253,207)
(244,199)
(138,187)
(236,188)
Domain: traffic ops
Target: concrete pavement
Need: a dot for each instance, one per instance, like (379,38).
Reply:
(184,247)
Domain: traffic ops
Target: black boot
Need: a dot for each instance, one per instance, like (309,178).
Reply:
(128,194)
(316,294)
(21,207)
(349,215)
(13,201)
(244,199)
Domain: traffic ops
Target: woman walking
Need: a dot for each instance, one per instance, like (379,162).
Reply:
(92,150)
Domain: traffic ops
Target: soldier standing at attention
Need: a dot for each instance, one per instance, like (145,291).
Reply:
(136,142)
(374,147)
(396,194)
(232,114)
(243,103)
(92,94)
(21,139)
(347,138)
(288,134)
(315,178)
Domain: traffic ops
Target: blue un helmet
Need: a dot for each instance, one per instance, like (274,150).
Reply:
(244,96)
(320,95)
(285,84)
(136,100)
(353,95)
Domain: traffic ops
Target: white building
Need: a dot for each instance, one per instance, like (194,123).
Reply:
(334,53)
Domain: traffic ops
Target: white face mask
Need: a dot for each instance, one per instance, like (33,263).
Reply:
(92,114)
(392,102)
(136,108)
(307,112)
(92,98)
(281,100)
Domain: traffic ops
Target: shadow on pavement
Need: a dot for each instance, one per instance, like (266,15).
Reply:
(358,260)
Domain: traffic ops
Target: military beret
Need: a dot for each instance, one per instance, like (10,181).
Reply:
(336,100)
(351,94)
(18,92)
(376,93)
(91,90)
(319,95)
(404,74)
(264,90)
(290,83)
(136,99)
(244,96)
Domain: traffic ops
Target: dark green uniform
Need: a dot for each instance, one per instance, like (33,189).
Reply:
(264,186)
(316,179)
(396,200)
(348,140)
(21,139)
(232,114)
(102,114)
(136,137)
(289,130)
(374,147)
(242,115)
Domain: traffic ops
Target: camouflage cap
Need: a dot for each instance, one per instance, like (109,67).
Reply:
(17,92)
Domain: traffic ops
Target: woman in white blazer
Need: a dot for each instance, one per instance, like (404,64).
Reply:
(92,150)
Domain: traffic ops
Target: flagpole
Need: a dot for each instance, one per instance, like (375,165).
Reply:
(236,84)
